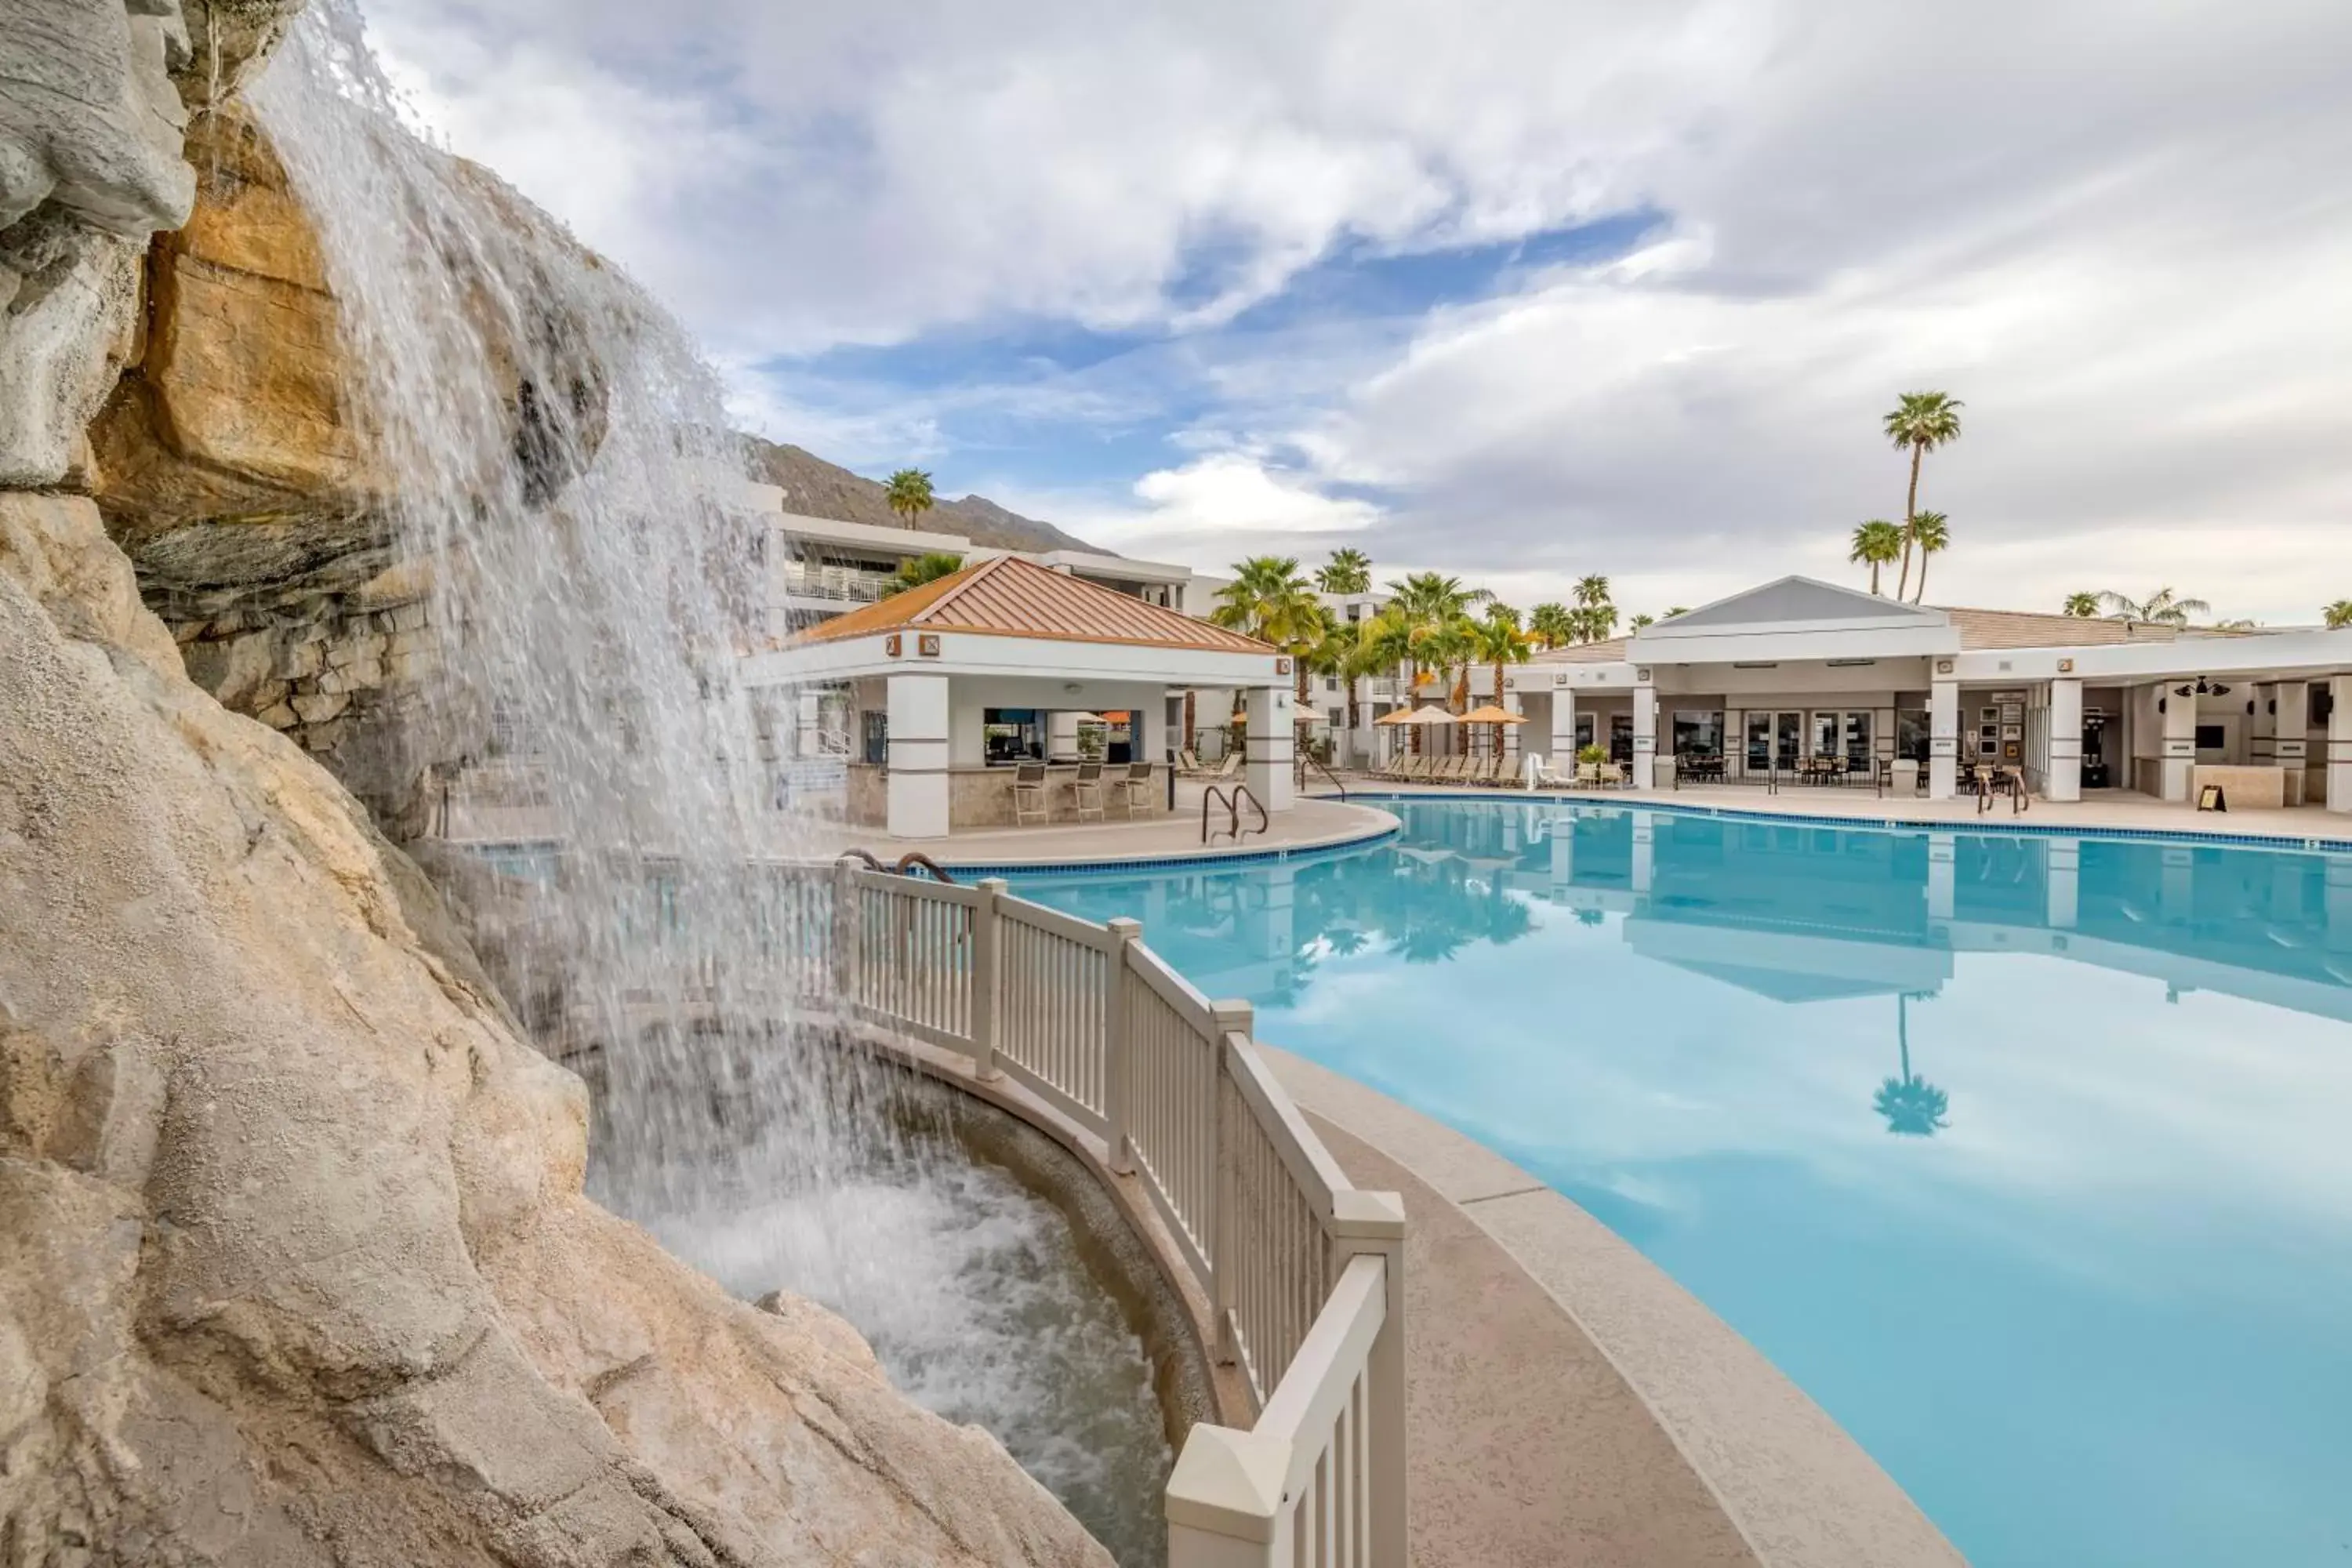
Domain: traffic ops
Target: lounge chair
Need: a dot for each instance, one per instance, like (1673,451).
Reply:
(1187,762)
(1549,777)
(1487,773)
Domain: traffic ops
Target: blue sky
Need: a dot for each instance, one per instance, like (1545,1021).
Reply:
(1519,289)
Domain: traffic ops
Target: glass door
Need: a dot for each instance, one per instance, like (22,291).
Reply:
(1825,734)
(1759,742)
(1790,731)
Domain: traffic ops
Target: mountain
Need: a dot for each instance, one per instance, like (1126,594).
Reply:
(814,487)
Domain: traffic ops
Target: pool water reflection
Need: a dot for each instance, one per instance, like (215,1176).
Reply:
(2026,1157)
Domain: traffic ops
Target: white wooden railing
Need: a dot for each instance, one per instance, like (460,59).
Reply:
(1304,1272)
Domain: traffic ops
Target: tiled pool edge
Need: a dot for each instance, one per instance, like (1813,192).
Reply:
(1987,824)
(1798,1488)
(1217,859)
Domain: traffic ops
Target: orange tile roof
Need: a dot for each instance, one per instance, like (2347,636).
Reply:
(1007,597)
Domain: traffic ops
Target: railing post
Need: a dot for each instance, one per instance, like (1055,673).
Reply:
(845,935)
(987,993)
(1373,1223)
(1231,1018)
(1116,977)
(1225,1507)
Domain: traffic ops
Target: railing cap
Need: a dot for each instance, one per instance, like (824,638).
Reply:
(1228,1483)
(1232,1017)
(1367,1217)
(1124,926)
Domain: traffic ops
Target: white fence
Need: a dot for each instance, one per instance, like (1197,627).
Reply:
(1305,1273)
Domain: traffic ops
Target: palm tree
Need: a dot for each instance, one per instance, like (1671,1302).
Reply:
(909,494)
(926,568)
(1592,591)
(1922,421)
(1348,572)
(1595,622)
(1674,610)
(1638,622)
(2337,615)
(1929,531)
(1435,609)
(1912,1106)
(2161,608)
(1268,600)
(1497,640)
(1876,544)
(1551,624)
(2083,606)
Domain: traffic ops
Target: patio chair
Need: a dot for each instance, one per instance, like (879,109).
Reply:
(1588,775)
(1612,776)
(1029,793)
(1087,792)
(1137,787)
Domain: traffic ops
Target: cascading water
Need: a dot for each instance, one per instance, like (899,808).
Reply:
(547,438)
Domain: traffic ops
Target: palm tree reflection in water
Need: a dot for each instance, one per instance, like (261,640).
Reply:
(1912,1106)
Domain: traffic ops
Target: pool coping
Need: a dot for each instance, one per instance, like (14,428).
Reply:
(1357,837)
(1800,1491)
(1988,826)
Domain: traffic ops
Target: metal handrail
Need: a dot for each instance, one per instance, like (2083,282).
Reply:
(866,855)
(1308,760)
(1242,792)
(914,857)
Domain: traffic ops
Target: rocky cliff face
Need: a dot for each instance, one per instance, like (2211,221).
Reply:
(816,488)
(295,1265)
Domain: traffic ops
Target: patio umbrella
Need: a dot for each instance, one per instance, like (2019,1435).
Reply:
(1417,716)
(1497,717)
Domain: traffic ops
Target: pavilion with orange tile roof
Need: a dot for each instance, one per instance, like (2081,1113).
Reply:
(1010,652)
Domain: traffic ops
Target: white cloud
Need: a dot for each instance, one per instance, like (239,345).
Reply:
(2117,231)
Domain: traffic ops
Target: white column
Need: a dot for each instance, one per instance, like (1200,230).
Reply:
(2065,781)
(2063,865)
(2292,744)
(2261,736)
(1563,729)
(919,756)
(2180,744)
(1511,735)
(1941,872)
(2340,744)
(1150,730)
(1645,736)
(1645,844)
(1267,752)
(1943,740)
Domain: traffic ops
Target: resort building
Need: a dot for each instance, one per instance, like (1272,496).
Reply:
(1807,681)
(1010,691)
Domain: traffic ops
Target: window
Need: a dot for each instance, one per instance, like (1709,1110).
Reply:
(1012,735)
(2212,738)
(1620,737)
(1698,733)
(1857,740)
(1912,733)
(876,734)
(1339,717)
(1583,731)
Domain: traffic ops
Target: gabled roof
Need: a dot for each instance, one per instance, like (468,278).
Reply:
(2029,628)
(1797,600)
(1010,598)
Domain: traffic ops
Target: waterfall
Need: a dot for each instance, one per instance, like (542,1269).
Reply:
(550,441)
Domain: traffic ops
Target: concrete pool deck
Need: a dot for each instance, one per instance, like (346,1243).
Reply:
(2109,811)
(1570,1403)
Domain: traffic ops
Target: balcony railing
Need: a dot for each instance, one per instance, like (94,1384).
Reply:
(1305,1273)
(846,584)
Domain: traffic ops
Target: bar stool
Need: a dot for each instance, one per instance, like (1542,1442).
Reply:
(1087,790)
(1029,793)
(1137,786)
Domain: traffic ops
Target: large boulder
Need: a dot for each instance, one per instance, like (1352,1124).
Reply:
(295,1265)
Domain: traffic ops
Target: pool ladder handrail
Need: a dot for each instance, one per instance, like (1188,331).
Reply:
(1232,801)
(906,866)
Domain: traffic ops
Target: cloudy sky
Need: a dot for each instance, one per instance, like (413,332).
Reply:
(1516,288)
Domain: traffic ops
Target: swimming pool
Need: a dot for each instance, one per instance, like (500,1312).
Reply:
(2030,1159)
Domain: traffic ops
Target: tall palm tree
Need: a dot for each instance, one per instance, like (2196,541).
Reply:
(1638,622)
(1931,532)
(1875,543)
(1268,600)
(2337,615)
(1592,590)
(908,493)
(1497,640)
(1551,624)
(1674,610)
(1348,572)
(1921,422)
(2083,606)
(1594,623)
(926,568)
(2161,608)
(1912,1106)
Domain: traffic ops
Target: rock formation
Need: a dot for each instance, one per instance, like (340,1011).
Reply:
(295,1264)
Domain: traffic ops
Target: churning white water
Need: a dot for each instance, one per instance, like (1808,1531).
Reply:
(550,442)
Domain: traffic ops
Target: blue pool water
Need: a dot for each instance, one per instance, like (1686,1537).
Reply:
(2030,1159)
